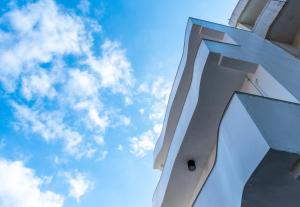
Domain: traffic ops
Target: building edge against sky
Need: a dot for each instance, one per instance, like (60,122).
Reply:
(234,109)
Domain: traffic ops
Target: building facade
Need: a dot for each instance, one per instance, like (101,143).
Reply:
(231,133)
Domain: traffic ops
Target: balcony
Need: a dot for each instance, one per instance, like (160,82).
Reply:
(194,35)
(257,155)
(256,15)
(275,20)
(285,29)
(214,79)
(213,66)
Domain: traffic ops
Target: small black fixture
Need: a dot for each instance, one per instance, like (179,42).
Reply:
(191,165)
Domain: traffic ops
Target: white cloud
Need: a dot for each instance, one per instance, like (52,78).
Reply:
(92,117)
(113,68)
(72,141)
(143,144)
(101,122)
(142,111)
(143,88)
(128,101)
(125,120)
(82,93)
(99,140)
(39,26)
(50,126)
(82,84)
(79,185)
(90,152)
(73,88)
(158,91)
(20,187)
(39,84)
(157,128)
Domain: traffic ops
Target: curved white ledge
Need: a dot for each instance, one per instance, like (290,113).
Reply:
(195,135)
(177,97)
(237,12)
(267,17)
(235,161)
(195,33)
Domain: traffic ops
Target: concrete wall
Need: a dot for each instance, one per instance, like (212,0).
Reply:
(239,138)
(161,190)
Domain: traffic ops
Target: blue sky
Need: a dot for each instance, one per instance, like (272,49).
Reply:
(83,88)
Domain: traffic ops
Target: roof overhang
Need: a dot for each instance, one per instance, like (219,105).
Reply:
(201,91)
(195,33)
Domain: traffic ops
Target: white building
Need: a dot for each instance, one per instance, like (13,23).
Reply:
(231,134)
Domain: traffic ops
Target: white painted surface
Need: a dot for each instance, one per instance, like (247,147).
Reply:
(280,79)
(241,5)
(252,11)
(159,153)
(267,17)
(181,85)
(263,84)
(241,147)
(184,121)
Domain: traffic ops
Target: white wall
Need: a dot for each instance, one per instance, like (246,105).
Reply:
(241,147)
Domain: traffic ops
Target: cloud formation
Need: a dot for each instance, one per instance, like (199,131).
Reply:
(61,90)
(20,187)
(158,92)
(47,59)
(37,33)
(78,185)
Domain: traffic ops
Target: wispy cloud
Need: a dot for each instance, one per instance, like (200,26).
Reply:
(99,140)
(158,93)
(142,144)
(56,94)
(20,187)
(39,26)
(113,68)
(49,125)
(79,185)
(39,84)
(61,90)
(61,80)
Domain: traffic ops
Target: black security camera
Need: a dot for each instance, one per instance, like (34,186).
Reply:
(191,165)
